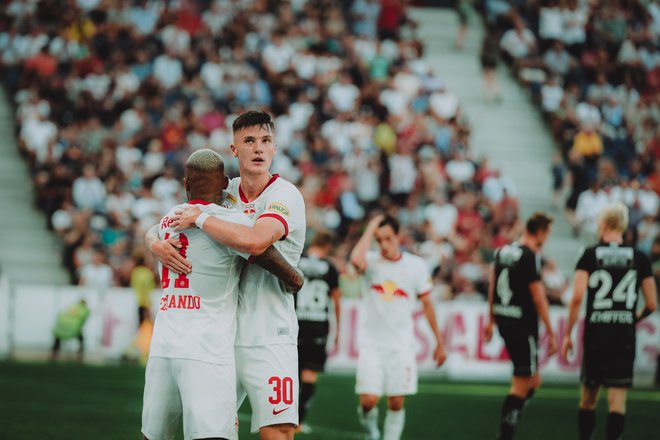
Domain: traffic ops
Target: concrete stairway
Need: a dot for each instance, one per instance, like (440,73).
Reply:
(29,252)
(510,133)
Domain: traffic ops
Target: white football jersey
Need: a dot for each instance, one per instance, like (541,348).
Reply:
(266,313)
(386,314)
(197,312)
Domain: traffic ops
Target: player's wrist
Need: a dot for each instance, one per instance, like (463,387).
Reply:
(201,218)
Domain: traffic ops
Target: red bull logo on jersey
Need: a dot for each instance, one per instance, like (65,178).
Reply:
(249,210)
(389,290)
(190,302)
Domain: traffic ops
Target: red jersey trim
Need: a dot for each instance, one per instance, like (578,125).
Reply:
(280,218)
(245,199)
(198,202)
(428,292)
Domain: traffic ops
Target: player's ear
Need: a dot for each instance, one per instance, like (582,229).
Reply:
(234,150)
(225,183)
(186,184)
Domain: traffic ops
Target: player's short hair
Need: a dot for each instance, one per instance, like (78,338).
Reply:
(205,160)
(322,239)
(539,221)
(614,216)
(389,220)
(253,118)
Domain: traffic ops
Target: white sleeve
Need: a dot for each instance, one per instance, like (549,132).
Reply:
(370,258)
(424,280)
(233,216)
(288,207)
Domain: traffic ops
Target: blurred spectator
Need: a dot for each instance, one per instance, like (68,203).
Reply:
(589,205)
(143,282)
(89,191)
(555,282)
(364,123)
(97,273)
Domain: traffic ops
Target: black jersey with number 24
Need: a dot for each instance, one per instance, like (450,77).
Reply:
(312,301)
(516,267)
(615,275)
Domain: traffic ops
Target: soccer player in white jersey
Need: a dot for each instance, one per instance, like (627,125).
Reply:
(191,368)
(266,353)
(386,363)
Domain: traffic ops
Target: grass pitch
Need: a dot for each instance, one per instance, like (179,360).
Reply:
(70,401)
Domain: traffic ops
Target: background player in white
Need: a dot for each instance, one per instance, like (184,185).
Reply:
(191,368)
(611,274)
(266,354)
(386,363)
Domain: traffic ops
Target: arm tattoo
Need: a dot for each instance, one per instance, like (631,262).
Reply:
(151,236)
(273,261)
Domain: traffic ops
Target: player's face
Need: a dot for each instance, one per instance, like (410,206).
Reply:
(542,236)
(388,241)
(255,147)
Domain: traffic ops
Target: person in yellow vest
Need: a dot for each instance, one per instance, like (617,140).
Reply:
(69,324)
(143,282)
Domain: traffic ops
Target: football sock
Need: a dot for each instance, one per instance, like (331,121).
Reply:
(394,422)
(511,410)
(586,423)
(528,399)
(306,393)
(369,421)
(615,422)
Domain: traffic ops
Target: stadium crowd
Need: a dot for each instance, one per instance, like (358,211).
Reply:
(593,68)
(112,96)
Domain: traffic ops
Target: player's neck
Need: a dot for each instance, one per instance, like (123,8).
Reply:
(252,185)
(208,198)
(612,237)
(528,240)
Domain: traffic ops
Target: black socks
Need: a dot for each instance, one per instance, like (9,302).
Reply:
(615,422)
(306,393)
(586,423)
(511,412)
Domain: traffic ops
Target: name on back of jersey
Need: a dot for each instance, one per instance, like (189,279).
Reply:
(171,301)
(613,257)
(611,317)
(509,311)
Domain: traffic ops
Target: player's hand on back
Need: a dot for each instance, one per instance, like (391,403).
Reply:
(167,252)
(185,219)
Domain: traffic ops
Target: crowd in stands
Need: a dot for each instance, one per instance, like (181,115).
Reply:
(593,68)
(112,96)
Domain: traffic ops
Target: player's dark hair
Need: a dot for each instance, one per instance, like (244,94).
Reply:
(253,118)
(539,221)
(322,239)
(389,220)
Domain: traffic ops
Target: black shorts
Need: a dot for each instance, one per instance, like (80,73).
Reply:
(523,351)
(312,354)
(607,365)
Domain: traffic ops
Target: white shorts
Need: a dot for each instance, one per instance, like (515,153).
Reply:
(384,371)
(204,393)
(268,376)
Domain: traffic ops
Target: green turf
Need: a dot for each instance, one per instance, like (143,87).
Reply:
(69,401)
